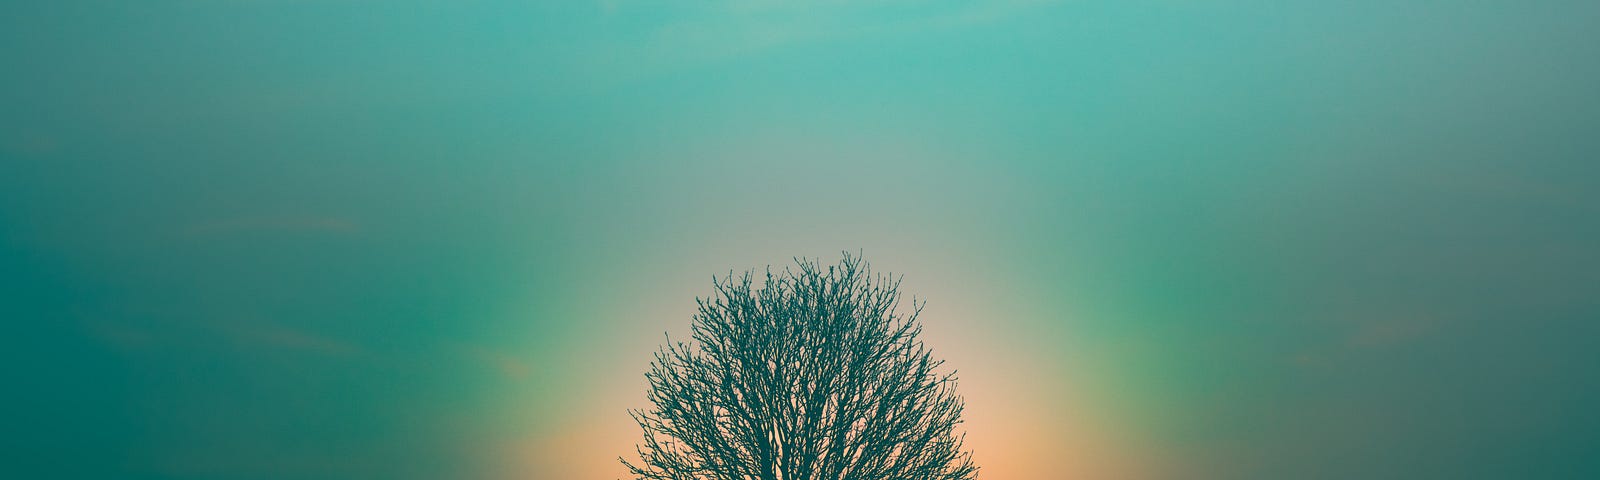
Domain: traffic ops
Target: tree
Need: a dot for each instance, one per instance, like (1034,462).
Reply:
(813,376)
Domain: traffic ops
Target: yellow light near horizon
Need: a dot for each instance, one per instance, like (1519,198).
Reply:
(1031,410)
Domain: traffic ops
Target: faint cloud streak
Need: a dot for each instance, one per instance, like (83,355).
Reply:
(312,224)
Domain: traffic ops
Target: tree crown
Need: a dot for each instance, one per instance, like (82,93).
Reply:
(813,375)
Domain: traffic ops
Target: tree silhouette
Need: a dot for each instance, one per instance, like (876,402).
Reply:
(813,376)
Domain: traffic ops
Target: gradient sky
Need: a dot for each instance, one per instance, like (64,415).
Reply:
(323,239)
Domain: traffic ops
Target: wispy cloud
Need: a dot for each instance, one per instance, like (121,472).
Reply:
(1368,336)
(1390,332)
(120,337)
(735,29)
(265,334)
(506,365)
(232,226)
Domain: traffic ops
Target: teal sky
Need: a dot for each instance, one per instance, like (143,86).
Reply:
(319,239)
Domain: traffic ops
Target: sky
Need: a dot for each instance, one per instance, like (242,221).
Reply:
(327,239)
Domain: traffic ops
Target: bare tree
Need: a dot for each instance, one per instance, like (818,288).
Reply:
(812,376)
